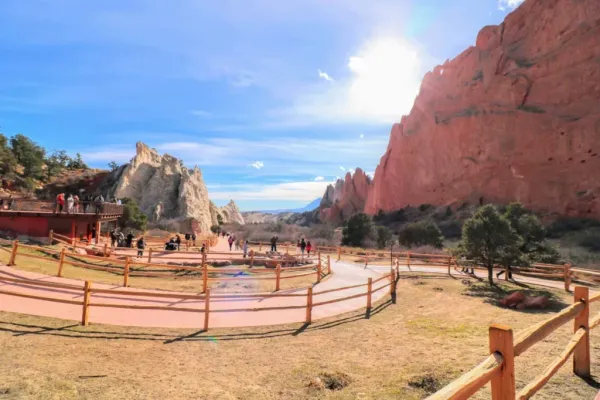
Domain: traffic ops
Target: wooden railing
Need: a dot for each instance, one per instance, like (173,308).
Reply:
(88,291)
(499,368)
(34,205)
(131,268)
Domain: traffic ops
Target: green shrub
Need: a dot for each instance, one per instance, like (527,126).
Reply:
(421,234)
(133,217)
(590,239)
(565,225)
(356,230)
(384,237)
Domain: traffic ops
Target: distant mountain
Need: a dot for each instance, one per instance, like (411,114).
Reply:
(309,207)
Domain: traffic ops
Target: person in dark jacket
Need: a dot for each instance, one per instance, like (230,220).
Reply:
(130,239)
(178,241)
(194,239)
(140,247)
(274,243)
(302,246)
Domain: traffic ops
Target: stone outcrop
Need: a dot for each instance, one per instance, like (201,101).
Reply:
(347,197)
(161,182)
(514,118)
(230,214)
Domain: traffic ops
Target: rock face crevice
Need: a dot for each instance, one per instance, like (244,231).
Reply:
(514,118)
(230,213)
(152,179)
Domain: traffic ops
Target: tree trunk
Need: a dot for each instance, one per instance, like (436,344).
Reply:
(491,274)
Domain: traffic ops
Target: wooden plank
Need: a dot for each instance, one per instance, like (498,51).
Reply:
(469,383)
(309,305)
(31,282)
(369,288)
(533,387)
(86,303)
(501,342)
(581,355)
(534,334)
(31,296)
(206,309)
(338,300)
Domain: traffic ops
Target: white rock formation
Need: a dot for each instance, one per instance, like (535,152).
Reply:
(229,213)
(152,179)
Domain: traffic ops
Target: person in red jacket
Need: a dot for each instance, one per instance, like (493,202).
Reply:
(60,202)
(308,247)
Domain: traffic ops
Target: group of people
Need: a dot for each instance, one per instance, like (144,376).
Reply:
(72,204)
(118,239)
(302,246)
(175,242)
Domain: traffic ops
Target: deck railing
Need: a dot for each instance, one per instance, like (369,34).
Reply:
(34,205)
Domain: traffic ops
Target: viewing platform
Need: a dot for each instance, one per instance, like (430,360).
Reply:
(36,218)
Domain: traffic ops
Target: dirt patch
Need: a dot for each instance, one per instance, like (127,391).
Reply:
(330,381)
(427,383)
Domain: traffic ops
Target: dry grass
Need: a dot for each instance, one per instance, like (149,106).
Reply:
(434,334)
(176,283)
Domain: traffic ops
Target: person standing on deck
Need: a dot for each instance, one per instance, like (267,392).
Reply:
(60,202)
(140,247)
(70,204)
(76,204)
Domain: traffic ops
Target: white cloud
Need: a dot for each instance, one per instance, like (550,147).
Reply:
(343,169)
(325,76)
(319,178)
(351,171)
(370,174)
(201,113)
(257,164)
(362,135)
(296,191)
(509,4)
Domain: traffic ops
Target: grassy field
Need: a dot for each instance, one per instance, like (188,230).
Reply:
(181,283)
(436,332)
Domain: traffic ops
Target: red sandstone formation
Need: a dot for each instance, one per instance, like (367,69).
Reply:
(515,118)
(346,198)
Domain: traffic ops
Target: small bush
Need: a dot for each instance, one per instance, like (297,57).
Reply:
(451,229)
(590,240)
(425,207)
(356,229)
(420,234)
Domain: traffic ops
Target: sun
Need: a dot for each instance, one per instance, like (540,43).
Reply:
(386,78)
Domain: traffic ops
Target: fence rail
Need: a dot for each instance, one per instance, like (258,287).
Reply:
(503,349)
(88,293)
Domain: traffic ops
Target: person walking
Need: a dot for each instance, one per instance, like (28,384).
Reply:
(203,248)
(308,248)
(140,247)
(188,237)
(194,239)
(178,241)
(274,243)
(298,247)
(70,204)
(230,241)
(245,248)
(302,246)
(113,238)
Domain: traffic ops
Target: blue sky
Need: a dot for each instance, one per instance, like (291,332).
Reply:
(271,99)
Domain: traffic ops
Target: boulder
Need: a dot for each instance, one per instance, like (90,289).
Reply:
(513,299)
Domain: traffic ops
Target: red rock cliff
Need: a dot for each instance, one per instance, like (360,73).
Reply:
(347,197)
(517,117)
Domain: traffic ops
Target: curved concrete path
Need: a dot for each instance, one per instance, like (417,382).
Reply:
(344,274)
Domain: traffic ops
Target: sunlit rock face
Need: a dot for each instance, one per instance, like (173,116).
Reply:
(161,180)
(347,197)
(514,118)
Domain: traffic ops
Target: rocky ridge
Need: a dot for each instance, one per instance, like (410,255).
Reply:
(230,213)
(346,197)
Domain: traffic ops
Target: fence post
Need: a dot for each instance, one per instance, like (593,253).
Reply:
(328,264)
(259,246)
(206,309)
(150,255)
(309,301)
(13,253)
(581,355)
(86,302)
(501,341)
(319,270)
(61,262)
(204,277)
(393,287)
(251,258)
(567,273)
(369,290)
(126,272)
(339,251)
(51,237)
(105,249)
(449,263)
(408,259)
(277,277)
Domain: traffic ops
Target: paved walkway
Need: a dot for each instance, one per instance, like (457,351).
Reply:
(345,274)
